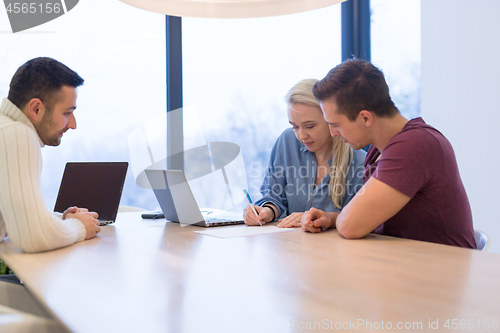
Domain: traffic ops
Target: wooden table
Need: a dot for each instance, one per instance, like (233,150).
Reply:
(153,276)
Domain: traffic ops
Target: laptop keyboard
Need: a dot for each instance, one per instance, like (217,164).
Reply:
(214,219)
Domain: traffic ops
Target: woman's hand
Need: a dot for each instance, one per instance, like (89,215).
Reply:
(265,215)
(291,221)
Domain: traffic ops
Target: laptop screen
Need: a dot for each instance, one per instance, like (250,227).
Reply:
(96,186)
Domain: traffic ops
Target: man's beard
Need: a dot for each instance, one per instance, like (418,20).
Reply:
(44,131)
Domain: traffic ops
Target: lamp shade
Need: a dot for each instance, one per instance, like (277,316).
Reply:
(229,8)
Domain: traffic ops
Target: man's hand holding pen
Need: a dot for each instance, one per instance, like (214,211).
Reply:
(315,220)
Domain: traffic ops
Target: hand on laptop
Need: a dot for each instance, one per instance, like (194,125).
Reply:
(89,220)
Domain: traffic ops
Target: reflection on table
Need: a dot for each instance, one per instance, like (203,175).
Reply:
(156,276)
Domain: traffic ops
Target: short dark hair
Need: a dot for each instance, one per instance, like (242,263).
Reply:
(41,78)
(356,85)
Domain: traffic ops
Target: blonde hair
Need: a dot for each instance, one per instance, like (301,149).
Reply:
(341,152)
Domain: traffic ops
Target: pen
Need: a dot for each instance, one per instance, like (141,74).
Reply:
(311,223)
(251,205)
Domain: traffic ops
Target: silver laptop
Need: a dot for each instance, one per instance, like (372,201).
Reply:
(179,205)
(96,186)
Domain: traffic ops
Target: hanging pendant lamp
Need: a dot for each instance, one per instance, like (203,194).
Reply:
(229,8)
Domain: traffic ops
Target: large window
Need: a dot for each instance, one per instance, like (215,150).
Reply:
(237,72)
(120,52)
(395,40)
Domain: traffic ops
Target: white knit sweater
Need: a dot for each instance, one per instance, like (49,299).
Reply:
(24,217)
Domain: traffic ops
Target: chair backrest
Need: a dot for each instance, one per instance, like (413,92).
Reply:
(482,240)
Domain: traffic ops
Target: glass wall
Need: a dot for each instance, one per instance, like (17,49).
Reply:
(237,72)
(395,40)
(120,52)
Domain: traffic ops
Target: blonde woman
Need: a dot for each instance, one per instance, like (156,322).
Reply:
(308,168)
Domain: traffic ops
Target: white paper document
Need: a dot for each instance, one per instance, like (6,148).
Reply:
(242,231)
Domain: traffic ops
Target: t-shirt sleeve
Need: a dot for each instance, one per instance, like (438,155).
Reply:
(407,161)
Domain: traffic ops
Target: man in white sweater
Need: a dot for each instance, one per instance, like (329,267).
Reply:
(37,112)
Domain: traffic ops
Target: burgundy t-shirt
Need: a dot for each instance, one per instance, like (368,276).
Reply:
(420,163)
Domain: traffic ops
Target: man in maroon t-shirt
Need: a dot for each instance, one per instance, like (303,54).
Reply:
(412,185)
